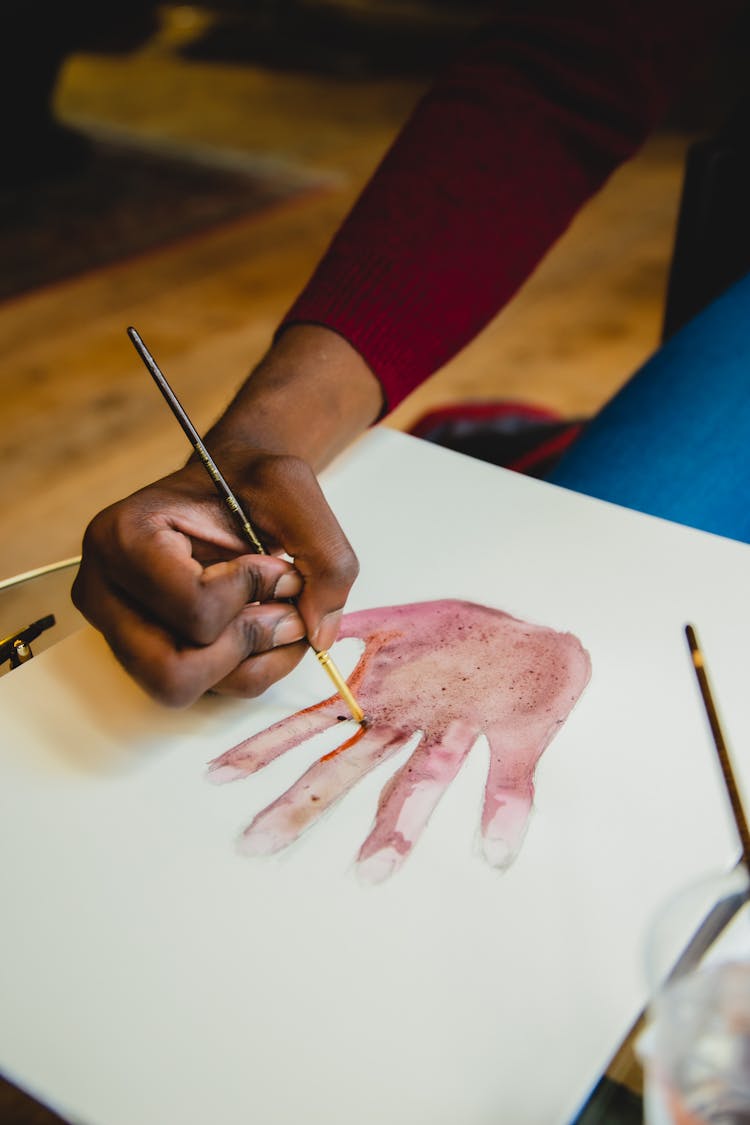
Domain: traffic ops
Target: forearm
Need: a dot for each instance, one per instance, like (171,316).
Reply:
(310,397)
(491,167)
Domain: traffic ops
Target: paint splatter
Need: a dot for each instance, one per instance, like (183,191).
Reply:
(452,670)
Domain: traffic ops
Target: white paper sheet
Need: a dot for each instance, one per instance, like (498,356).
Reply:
(150,973)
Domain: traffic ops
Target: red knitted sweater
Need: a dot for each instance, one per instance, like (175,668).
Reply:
(490,169)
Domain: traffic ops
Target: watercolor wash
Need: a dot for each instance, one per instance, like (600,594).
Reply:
(453,670)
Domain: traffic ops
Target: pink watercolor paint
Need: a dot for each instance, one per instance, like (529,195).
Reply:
(452,670)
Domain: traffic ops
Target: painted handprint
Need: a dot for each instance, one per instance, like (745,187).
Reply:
(452,670)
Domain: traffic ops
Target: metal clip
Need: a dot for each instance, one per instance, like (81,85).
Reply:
(17,647)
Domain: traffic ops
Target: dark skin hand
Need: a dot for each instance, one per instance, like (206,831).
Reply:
(165,574)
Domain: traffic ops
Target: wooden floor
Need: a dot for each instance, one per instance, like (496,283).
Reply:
(80,423)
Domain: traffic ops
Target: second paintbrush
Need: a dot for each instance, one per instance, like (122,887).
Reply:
(233,504)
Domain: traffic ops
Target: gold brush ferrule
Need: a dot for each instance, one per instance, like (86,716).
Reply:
(341,685)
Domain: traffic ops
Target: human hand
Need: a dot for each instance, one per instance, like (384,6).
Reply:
(166,576)
(452,670)
(169,581)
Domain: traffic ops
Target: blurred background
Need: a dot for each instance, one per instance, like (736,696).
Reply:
(182,167)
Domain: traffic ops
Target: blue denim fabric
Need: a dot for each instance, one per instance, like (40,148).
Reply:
(675,441)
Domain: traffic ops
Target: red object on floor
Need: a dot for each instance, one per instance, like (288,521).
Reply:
(514,435)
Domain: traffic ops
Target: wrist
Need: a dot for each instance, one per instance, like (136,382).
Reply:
(310,396)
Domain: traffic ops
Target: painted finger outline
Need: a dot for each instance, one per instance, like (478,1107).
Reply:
(451,670)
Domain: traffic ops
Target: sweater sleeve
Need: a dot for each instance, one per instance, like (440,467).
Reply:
(490,169)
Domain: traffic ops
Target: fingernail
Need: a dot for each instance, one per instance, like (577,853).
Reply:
(288,585)
(289,629)
(328,630)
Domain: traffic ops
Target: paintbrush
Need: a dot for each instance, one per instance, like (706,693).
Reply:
(727,772)
(234,505)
